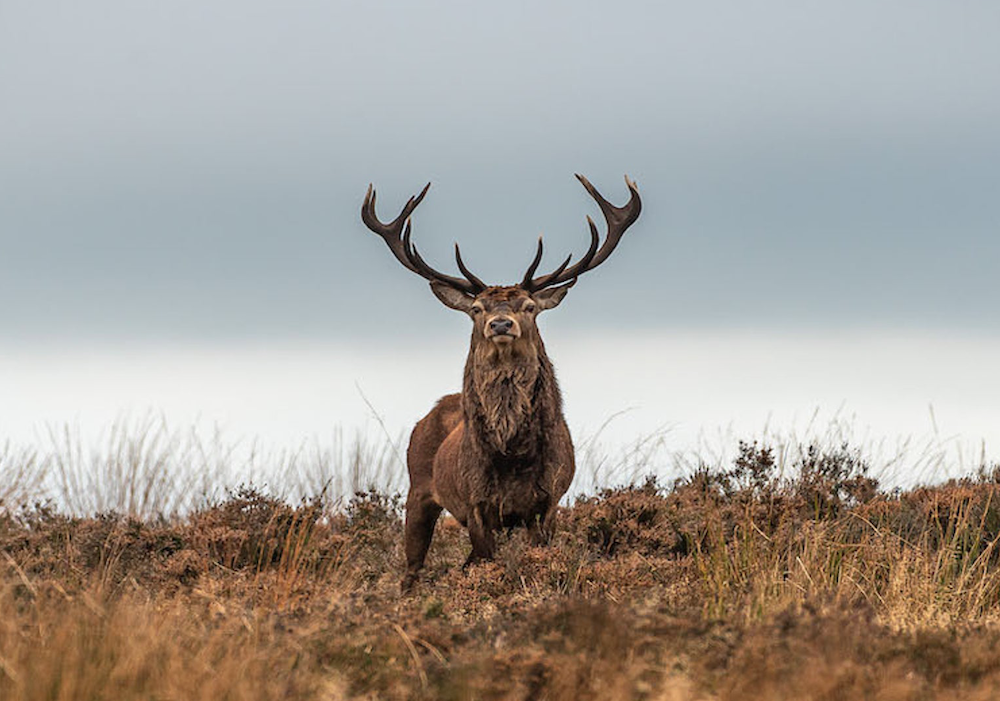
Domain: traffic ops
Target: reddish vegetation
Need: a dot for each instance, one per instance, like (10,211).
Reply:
(730,584)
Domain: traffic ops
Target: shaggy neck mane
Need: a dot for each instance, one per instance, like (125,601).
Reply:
(506,396)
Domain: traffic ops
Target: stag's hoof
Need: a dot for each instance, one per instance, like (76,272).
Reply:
(407,583)
(474,559)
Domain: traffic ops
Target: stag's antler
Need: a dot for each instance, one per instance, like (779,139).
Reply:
(618,219)
(396,235)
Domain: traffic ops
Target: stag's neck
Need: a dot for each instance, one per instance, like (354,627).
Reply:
(510,397)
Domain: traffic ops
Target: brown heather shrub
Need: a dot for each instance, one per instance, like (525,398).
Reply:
(252,530)
(733,583)
(632,518)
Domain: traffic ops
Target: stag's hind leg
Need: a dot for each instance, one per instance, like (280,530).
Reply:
(421,517)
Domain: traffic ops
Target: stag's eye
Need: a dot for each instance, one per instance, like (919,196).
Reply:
(529,307)
(476,310)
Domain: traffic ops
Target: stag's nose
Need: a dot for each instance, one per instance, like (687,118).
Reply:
(501,326)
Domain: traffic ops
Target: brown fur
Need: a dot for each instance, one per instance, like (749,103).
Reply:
(499,454)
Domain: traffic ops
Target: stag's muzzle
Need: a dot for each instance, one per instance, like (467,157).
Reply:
(502,329)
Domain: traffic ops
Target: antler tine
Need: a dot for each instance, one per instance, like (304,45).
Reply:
(526,280)
(394,227)
(558,275)
(546,280)
(396,235)
(466,272)
(390,232)
(618,220)
(428,273)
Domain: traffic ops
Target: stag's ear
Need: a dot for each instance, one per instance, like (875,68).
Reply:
(450,297)
(551,297)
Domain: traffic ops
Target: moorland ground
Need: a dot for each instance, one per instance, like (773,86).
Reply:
(742,581)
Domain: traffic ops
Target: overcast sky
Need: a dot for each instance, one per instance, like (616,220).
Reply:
(187,169)
(190,173)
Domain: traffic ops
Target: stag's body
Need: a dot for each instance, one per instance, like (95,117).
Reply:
(499,454)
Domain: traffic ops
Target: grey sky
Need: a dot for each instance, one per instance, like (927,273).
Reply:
(193,170)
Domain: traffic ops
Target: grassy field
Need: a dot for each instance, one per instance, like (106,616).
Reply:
(750,580)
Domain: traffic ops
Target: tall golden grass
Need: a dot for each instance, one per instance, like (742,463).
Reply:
(775,576)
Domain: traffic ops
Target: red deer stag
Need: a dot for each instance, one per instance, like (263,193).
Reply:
(499,454)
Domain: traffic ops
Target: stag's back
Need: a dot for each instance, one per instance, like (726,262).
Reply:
(427,437)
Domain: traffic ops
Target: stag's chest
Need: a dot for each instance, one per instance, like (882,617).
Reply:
(504,414)
(517,494)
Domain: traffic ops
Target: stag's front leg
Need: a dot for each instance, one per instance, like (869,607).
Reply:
(542,526)
(421,517)
(481,527)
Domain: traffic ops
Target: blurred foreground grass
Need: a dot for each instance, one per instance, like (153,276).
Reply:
(781,573)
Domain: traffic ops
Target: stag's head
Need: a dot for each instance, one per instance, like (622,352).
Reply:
(503,316)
